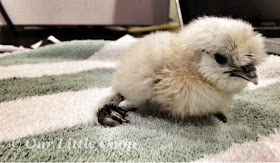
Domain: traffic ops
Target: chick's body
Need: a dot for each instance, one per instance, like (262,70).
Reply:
(193,72)
(154,71)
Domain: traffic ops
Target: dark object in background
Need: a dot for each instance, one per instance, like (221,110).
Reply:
(7,19)
(27,37)
(263,14)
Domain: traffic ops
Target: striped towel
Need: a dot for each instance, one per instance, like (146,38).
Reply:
(47,96)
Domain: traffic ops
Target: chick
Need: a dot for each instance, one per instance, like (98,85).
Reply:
(192,72)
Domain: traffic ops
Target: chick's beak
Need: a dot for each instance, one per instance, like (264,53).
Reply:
(247,72)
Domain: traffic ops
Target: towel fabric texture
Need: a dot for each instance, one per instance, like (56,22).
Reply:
(47,96)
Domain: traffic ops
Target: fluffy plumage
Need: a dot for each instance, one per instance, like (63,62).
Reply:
(192,72)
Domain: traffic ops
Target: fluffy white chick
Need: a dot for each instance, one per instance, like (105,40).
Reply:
(192,72)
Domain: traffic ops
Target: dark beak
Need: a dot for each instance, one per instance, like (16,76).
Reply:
(247,72)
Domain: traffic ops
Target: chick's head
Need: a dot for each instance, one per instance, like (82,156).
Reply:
(228,50)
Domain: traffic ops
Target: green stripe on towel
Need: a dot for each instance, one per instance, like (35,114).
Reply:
(149,138)
(65,51)
(14,88)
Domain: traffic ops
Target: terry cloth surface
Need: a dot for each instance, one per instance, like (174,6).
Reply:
(47,96)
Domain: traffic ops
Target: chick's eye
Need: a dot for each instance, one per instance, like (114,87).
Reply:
(220,59)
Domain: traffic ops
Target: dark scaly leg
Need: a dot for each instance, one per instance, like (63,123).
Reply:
(221,116)
(109,114)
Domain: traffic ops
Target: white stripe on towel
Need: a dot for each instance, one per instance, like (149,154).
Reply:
(39,114)
(115,50)
(38,70)
(266,149)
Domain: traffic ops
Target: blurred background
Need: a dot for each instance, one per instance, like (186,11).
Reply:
(25,22)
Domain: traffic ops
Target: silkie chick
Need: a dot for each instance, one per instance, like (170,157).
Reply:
(192,72)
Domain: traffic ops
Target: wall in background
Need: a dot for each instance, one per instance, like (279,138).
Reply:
(87,12)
